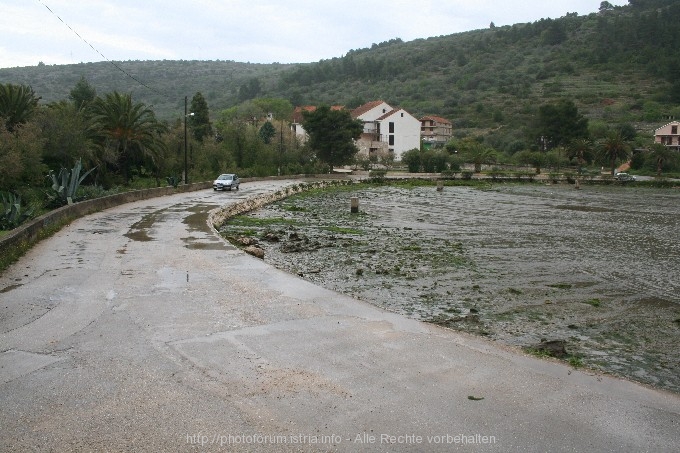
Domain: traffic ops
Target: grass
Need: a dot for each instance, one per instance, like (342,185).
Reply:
(575,361)
(560,285)
(248,221)
(342,230)
(593,302)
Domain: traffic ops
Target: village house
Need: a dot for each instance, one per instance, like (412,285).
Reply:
(435,131)
(668,135)
(386,129)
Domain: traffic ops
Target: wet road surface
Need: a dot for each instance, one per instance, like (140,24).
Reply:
(139,329)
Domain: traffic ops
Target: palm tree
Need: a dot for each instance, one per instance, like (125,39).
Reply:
(477,154)
(613,149)
(661,154)
(17,104)
(130,130)
(580,149)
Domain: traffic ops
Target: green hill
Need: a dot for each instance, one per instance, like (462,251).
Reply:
(619,65)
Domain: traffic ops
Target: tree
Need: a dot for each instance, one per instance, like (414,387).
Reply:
(332,134)
(199,121)
(476,153)
(281,109)
(83,94)
(130,130)
(613,149)
(65,128)
(267,132)
(535,159)
(20,157)
(606,6)
(412,160)
(661,155)
(249,90)
(560,123)
(17,104)
(580,150)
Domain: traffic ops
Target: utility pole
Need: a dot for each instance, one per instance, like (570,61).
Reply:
(186,167)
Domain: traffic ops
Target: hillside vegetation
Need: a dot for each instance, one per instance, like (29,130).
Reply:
(619,65)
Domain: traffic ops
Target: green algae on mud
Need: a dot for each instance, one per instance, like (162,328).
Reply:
(595,268)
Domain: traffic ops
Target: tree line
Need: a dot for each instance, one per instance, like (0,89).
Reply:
(120,144)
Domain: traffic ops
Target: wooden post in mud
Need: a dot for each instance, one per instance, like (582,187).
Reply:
(440,186)
(354,205)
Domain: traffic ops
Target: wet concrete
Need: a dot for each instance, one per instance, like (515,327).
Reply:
(116,344)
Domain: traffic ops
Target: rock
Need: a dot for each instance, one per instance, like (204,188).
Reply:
(554,348)
(271,237)
(255,251)
(245,240)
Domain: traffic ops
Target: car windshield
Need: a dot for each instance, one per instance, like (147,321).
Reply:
(223,177)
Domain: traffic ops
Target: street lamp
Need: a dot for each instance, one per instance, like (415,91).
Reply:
(186,167)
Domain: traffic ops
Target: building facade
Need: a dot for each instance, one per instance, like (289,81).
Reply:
(387,128)
(435,131)
(668,135)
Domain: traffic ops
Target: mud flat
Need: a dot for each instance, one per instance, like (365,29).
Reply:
(590,276)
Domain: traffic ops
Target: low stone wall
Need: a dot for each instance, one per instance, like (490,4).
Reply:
(17,241)
(218,217)
(29,233)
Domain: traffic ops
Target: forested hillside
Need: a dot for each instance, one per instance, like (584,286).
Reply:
(619,65)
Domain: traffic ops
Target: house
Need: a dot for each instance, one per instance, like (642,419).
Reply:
(386,129)
(296,124)
(668,135)
(435,131)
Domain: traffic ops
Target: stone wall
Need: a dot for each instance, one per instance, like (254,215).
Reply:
(17,241)
(219,216)
(29,233)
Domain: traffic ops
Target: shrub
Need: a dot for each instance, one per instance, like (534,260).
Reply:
(11,215)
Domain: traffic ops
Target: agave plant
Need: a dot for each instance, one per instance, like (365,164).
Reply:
(66,183)
(11,215)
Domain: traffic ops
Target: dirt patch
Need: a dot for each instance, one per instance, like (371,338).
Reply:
(594,269)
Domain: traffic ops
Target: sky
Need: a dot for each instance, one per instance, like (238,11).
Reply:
(255,31)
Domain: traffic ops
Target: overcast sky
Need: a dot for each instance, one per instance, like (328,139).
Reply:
(256,31)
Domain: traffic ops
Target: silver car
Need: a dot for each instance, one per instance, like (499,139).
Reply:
(226,181)
(625,177)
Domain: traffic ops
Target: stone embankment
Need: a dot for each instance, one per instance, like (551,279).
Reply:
(218,217)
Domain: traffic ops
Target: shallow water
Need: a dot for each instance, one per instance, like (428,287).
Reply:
(596,267)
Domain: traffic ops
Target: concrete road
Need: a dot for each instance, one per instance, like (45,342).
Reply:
(139,329)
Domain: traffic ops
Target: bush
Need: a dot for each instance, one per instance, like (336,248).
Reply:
(11,215)
(412,160)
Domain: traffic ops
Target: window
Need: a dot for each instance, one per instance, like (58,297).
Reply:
(391,127)
(391,140)
(674,130)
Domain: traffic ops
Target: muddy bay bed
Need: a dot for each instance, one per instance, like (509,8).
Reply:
(596,269)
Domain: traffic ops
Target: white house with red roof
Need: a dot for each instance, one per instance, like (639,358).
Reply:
(387,129)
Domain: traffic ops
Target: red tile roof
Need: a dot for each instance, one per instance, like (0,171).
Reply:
(297,113)
(437,119)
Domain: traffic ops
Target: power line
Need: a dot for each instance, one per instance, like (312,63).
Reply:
(101,54)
